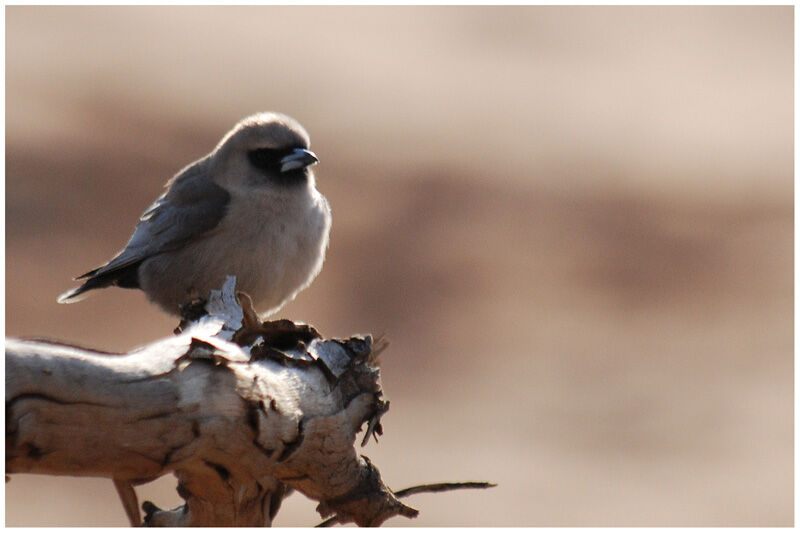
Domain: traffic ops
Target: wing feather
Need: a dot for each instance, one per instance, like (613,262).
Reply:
(192,206)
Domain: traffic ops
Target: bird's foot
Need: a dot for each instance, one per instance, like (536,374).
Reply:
(191,311)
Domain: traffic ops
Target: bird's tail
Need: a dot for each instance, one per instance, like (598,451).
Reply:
(126,277)
(74,295)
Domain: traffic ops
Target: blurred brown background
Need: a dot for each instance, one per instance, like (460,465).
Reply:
(575,225)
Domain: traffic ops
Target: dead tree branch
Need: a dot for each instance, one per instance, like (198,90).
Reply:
(241,412)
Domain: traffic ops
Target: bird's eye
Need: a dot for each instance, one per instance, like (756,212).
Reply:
(267,159)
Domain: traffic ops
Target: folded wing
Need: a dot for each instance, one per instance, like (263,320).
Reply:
(192,206)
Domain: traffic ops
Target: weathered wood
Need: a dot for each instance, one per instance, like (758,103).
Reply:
(240,426)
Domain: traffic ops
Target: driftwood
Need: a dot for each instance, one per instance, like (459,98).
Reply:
(241,412)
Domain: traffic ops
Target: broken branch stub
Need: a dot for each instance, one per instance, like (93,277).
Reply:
(242,412)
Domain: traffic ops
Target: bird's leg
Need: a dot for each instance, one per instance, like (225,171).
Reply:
(191,311)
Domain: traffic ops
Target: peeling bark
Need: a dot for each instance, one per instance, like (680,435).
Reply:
(241,412)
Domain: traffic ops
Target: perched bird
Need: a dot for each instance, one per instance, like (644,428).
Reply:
(250,208)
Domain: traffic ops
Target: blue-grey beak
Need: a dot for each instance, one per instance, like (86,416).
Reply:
(299,158)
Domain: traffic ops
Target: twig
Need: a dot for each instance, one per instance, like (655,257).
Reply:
(129,501)
(419,489)
(443,487)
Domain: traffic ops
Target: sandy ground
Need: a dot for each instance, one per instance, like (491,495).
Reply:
(574,224)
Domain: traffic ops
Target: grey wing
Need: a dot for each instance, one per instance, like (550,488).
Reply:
(193,206)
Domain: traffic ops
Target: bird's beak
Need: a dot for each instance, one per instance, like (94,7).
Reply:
(299,158)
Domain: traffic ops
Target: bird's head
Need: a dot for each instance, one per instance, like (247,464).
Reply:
(266,149)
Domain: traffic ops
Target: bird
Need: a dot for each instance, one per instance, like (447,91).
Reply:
(250,208)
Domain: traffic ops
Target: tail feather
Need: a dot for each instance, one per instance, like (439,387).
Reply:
(89,274)
(73,295)
(127,278)
(77,294)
